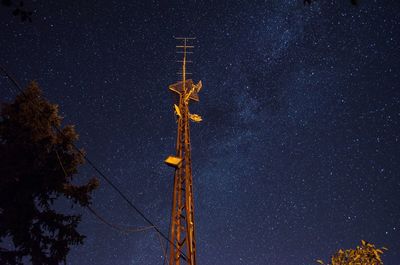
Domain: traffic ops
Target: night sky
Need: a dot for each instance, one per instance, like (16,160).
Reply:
(299,149)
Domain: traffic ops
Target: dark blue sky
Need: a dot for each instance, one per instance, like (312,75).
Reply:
(298,153)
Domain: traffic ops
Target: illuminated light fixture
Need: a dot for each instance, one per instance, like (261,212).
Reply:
(173,161)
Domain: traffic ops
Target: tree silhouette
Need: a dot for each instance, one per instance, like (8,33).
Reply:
(19,9)
(353,2)
(366,254)
(37,166)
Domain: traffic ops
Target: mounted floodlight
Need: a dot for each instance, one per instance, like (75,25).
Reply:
(173,161)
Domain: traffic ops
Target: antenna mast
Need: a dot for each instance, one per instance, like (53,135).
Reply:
(182,230)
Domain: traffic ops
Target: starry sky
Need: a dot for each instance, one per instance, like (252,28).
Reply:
(298,152)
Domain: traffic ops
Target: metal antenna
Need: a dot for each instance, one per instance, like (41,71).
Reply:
(182,230)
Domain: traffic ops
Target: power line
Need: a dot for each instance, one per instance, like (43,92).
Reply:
(10,77)
(99,172)
(98,216)
(126,199)
(115,227)
(128,230)
(162,246)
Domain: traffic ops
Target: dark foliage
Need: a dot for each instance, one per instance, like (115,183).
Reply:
(19,9)
(353,2)
(366,254)
(37,165)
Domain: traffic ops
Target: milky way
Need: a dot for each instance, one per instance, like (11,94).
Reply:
(298,153)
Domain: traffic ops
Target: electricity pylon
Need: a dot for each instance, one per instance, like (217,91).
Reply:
(182,230)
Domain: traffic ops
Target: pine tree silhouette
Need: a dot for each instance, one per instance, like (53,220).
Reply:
(37,165)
